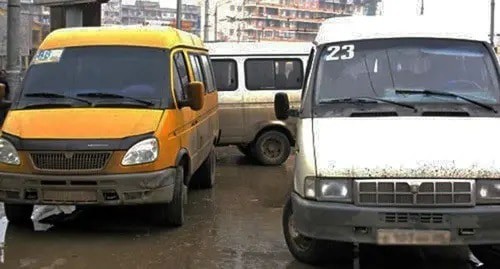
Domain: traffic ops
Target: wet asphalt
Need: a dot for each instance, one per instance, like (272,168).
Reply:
(237,224)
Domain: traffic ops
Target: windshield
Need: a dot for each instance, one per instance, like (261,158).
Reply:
(130,72)
(379,68)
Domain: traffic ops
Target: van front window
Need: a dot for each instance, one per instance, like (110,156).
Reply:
(392,68)
(104,76)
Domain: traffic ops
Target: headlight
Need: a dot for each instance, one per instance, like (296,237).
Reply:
(488,191)
(145,151)
(335,190)
(8,153)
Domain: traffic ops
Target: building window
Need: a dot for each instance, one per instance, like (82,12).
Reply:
(274,74)
(240,8)
(226,75)
(231,7)
(231,31)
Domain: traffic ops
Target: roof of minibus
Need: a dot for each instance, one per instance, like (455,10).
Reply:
(354,28)
(259,48)
(139,36)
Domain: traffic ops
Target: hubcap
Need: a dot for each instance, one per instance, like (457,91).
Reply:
(272,148)
(302,243)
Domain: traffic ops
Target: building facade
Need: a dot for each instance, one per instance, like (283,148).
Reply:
(35,26)
(150,13)
(281,20)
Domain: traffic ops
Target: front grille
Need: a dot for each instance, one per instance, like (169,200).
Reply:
(70,161)
(394,192)
(414,218)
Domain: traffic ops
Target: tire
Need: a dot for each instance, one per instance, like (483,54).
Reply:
(312,251)
(245,149)
(173,213)
(18,214)
(272,148)
(487,254)
(204,178)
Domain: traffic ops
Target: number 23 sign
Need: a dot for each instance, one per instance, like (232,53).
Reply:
(345,52)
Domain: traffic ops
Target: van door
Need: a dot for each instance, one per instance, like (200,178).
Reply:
(204,141)
(227,80)
(264,77)
(186,125)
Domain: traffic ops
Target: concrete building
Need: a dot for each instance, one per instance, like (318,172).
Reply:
(150,12)
(280,20)
(35,25)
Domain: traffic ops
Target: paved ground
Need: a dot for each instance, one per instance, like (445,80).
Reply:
(234,225)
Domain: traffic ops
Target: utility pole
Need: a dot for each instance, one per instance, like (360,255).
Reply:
(421,7)
(13,45)
(179,14)
(492,23)
(207,19)
(215,23)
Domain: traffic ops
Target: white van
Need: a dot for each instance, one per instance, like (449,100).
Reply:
(397,139)
(248,75)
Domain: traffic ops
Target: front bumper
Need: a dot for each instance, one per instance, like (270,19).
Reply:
(350,223)
(116,189)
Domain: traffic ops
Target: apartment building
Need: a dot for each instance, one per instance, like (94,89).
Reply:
(281,20)
(143,12)
(34,24)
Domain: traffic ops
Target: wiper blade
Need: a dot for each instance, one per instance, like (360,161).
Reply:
(47,105)
(56,95)
(365,100)
(447,94)
(113,95)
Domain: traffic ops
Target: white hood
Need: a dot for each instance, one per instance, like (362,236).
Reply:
(407,147)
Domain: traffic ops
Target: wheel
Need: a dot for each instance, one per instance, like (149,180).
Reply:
(18,214)
(489,255)
(272,148)
(205,176)
(312,251)
(173,213)
(245,149)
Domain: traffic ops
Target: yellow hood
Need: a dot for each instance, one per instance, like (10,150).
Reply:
(81,123)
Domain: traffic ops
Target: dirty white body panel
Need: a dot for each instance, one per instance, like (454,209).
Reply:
(304,157)
(407,147)
(243,113)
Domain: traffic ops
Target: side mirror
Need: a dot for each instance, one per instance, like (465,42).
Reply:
(2,91)
(196,96)
(281,106)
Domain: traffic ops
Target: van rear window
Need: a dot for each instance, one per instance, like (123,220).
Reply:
(226,75)
(274,74)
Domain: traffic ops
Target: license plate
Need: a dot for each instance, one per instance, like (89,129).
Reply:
(413,237)
(69,196)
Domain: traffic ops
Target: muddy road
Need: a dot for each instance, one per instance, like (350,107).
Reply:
(235,225)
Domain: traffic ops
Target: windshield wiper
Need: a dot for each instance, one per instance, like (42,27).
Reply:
(116,96)
(365,100)
(447,94)
(46,105)
(56,95)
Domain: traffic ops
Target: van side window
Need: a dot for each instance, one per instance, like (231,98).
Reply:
(226,75)
(208,73)
(274,74)
(308,73)
(195,64)
(181,70)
